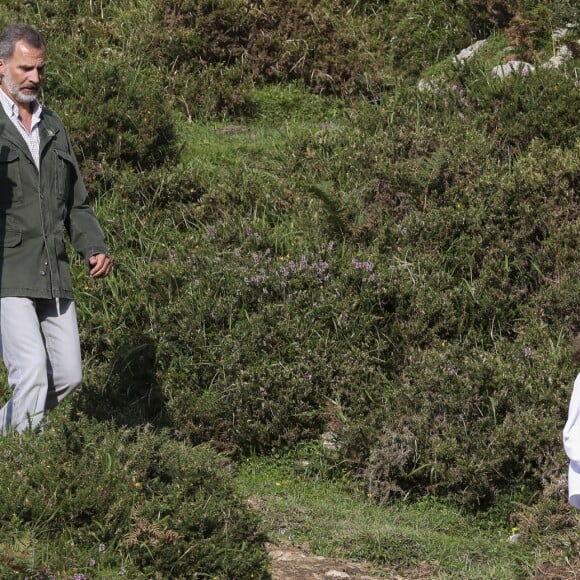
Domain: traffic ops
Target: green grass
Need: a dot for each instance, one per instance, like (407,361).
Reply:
(217,153)
(334,518)
(91,499)
(399,267)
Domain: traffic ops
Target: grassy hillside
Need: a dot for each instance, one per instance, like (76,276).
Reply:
(306,243)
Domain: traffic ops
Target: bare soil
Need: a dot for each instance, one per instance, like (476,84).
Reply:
(292,563)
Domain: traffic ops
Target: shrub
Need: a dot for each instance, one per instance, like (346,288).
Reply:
(524,109)
(116,114)
(278,42)
(423,33)
(243,330)
(486,16)
(100,501)
(378,276)
(475,425)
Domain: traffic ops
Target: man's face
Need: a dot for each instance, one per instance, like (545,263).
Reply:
(22,73)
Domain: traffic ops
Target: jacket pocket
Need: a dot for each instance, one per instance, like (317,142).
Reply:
(10,189)
(10,238)
(65,174)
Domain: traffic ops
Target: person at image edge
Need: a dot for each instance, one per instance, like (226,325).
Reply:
(42,198)
(571,436)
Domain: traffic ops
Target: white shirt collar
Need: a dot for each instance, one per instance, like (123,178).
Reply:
(11,108)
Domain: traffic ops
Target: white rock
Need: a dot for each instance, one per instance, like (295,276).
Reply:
(520,67)
(336,574)
(564,52)
(330,441)
(554,62)
(428,86)
(559,32)
(469,52)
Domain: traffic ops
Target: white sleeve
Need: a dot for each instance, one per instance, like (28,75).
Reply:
(572,428)
(571,438)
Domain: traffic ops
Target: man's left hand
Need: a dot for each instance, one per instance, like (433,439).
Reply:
(100,266)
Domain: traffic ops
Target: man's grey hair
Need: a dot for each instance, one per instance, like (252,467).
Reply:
(13,33)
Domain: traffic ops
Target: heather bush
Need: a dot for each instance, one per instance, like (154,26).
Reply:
(486,16)
(521,110)
(473,251)
(116,115)
(475,423)
(201,372)
(98,501)
(421,255)
(424,32)
(304,244)
(233,43)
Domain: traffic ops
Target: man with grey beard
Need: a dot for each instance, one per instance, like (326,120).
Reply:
(42,198)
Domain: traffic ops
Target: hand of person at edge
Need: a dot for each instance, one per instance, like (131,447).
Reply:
(100,266)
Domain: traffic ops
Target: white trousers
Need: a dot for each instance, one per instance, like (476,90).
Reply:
(40,346)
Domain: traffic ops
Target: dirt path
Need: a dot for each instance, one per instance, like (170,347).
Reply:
(290,563)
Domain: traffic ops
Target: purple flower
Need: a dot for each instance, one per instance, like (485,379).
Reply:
(257,279)
(251,233)
(368,266)
(321,267)
(528,352)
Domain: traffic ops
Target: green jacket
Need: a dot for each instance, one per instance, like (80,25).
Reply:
(37,208)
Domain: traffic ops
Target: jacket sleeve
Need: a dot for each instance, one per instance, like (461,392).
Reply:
(85,232)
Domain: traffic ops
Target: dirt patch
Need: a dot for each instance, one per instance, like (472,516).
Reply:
(566,571)
(291,563)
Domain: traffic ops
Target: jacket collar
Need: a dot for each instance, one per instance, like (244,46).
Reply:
(48,130)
